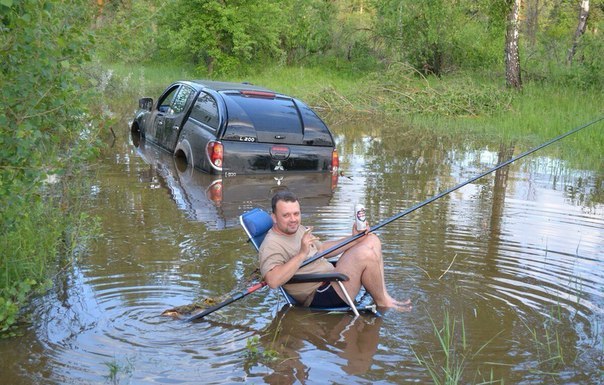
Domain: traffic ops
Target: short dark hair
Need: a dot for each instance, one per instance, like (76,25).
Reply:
(283,195)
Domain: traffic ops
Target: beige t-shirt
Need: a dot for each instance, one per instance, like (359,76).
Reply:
(277,249)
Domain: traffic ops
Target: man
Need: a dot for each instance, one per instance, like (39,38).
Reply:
(288,244)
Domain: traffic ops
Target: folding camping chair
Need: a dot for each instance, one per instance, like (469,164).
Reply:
(256,223)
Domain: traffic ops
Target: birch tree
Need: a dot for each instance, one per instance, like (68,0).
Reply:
(582,24)
(512,56)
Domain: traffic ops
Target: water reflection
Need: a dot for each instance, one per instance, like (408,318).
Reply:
(218,200)
(297,335)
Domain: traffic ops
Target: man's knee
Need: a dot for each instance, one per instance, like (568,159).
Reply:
(372,241)
(368,252)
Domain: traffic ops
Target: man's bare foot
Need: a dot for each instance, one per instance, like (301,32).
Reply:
(403,306)
(406,302)
(398,305)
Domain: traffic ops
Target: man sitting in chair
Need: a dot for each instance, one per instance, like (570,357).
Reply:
(288,244)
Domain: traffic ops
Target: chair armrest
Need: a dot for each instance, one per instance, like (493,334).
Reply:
(328,277)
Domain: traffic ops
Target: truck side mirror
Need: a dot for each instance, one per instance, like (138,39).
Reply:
(145,103)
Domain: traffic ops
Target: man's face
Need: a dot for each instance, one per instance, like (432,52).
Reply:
(287,217)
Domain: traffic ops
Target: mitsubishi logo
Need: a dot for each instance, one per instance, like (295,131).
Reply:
(279,167)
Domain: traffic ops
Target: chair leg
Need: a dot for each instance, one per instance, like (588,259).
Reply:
(286,296)
(350,302)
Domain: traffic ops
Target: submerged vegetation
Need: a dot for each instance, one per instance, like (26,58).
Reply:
(447,365)
(118,371)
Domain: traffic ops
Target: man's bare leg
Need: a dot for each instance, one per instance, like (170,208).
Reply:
(364,266)
(376,246)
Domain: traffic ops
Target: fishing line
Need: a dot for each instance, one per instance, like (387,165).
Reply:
(446,192)
(345,242)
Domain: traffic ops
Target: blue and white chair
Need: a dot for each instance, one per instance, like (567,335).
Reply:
(256,223)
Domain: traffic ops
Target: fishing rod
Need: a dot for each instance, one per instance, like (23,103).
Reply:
(353,238)
(446,192)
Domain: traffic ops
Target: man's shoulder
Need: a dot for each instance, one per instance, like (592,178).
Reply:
(273,240)
(270,239)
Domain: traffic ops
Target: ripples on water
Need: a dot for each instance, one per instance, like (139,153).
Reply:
(516,259)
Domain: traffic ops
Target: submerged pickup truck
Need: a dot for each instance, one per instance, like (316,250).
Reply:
(236,128)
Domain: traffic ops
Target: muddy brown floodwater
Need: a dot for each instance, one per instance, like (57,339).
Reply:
(506,274)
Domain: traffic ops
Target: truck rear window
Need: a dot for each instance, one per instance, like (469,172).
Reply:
(272,120)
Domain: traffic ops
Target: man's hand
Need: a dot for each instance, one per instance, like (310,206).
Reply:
(355,231)
(308,239)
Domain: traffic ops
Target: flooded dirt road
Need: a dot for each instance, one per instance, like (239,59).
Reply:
(506,275)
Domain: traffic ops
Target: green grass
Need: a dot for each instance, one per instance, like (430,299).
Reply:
(447,364)
(40,235)
(551,354)
(537,114)
(117,370)
(544,111)
(463,105)
(304,83)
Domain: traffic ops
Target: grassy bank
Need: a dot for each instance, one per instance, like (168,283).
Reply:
(476,105)
(48,131)
(537,114)
(42,232)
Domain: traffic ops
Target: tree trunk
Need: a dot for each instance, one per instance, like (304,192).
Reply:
(512,57)
(583,14)
(532,22)
(210,64)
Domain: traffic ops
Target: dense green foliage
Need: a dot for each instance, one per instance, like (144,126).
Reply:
(45,133)
(436,37)
(404,57)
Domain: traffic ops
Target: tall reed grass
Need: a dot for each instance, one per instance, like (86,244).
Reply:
(447,365)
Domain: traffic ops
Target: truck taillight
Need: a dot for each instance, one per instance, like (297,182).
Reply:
(215,152)
(335,160)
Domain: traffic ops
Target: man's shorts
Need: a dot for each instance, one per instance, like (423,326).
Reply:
(326,296)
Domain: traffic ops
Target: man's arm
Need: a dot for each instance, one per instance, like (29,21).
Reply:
(280,274)
(328,244)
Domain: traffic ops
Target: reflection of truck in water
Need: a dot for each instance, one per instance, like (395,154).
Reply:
(218,200)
